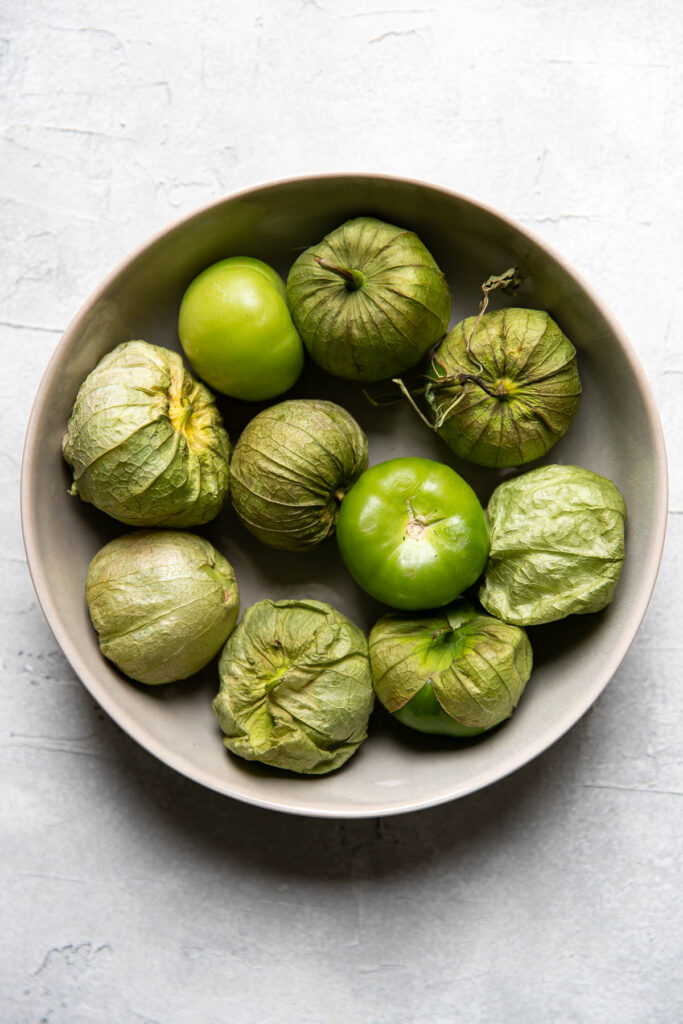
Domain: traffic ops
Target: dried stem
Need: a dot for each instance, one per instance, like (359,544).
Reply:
(509,280)
(406,392)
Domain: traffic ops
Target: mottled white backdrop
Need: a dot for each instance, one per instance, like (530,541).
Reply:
(130,895)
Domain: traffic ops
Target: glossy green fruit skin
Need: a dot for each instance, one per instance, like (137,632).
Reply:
(236,330)
(412,533)
(424,713)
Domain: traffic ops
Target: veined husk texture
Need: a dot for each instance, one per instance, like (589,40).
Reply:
(478,666)
(290,469)
(163,603)
(296,690)
(146,442)
(557,545)
(512,394)
(385,326)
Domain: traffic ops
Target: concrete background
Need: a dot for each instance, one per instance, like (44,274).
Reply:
(128,893)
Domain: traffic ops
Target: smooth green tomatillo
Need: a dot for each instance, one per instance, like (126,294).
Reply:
(236,330)
(424,714)
(412,533)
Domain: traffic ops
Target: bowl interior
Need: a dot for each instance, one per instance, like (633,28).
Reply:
(616,433)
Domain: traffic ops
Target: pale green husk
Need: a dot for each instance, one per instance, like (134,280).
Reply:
(146,441)
(477,666)
(511,394)
(382,328)
(557,545)
(296,690)
(162,602)
(291,467)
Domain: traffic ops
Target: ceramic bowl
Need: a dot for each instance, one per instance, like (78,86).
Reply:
(616,432)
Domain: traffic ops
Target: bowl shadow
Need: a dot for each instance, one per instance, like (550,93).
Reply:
(234,837)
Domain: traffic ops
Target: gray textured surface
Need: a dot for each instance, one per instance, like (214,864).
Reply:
(131,895)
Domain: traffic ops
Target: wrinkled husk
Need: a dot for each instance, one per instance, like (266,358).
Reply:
(146,441)
(163,603)
(290,469)
(512,395)
(383,327)
(296,690)
(557,545)
(477,666)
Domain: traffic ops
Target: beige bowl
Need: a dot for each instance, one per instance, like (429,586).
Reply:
(616,432)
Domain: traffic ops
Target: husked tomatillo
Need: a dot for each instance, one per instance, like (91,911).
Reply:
(454,672)
(163,603)
(296,690)
(146,442)
(368,300)
(557,545)
(291,468)
(505,391)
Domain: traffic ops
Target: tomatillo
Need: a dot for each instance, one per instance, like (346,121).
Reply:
(412,533)
(236,330)
(424,714)
(452,672)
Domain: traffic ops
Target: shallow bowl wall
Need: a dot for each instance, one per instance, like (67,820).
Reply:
(616,433)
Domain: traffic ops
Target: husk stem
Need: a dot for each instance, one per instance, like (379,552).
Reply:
(509,281)
(354,279)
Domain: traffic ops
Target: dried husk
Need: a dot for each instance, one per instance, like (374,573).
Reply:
(290,470)
(557,545)
(503,392)
(476,665)
(146,442)
(296,690)
(163,603)
(383,316)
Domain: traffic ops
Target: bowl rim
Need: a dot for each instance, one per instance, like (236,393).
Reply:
(182,764)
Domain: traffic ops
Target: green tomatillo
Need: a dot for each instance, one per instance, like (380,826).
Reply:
(369,300)
(146,441)
(236,330)
(296,690)
(291,468)
(412,533)
(453,672)
(557,545)
(504,387)
(163,603)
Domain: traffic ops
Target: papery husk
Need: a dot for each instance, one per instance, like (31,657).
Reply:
(291,467)
(163,603)
(296,690)
(146,442)
(477,666)
(504,387)
(557,545)
(380,322)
